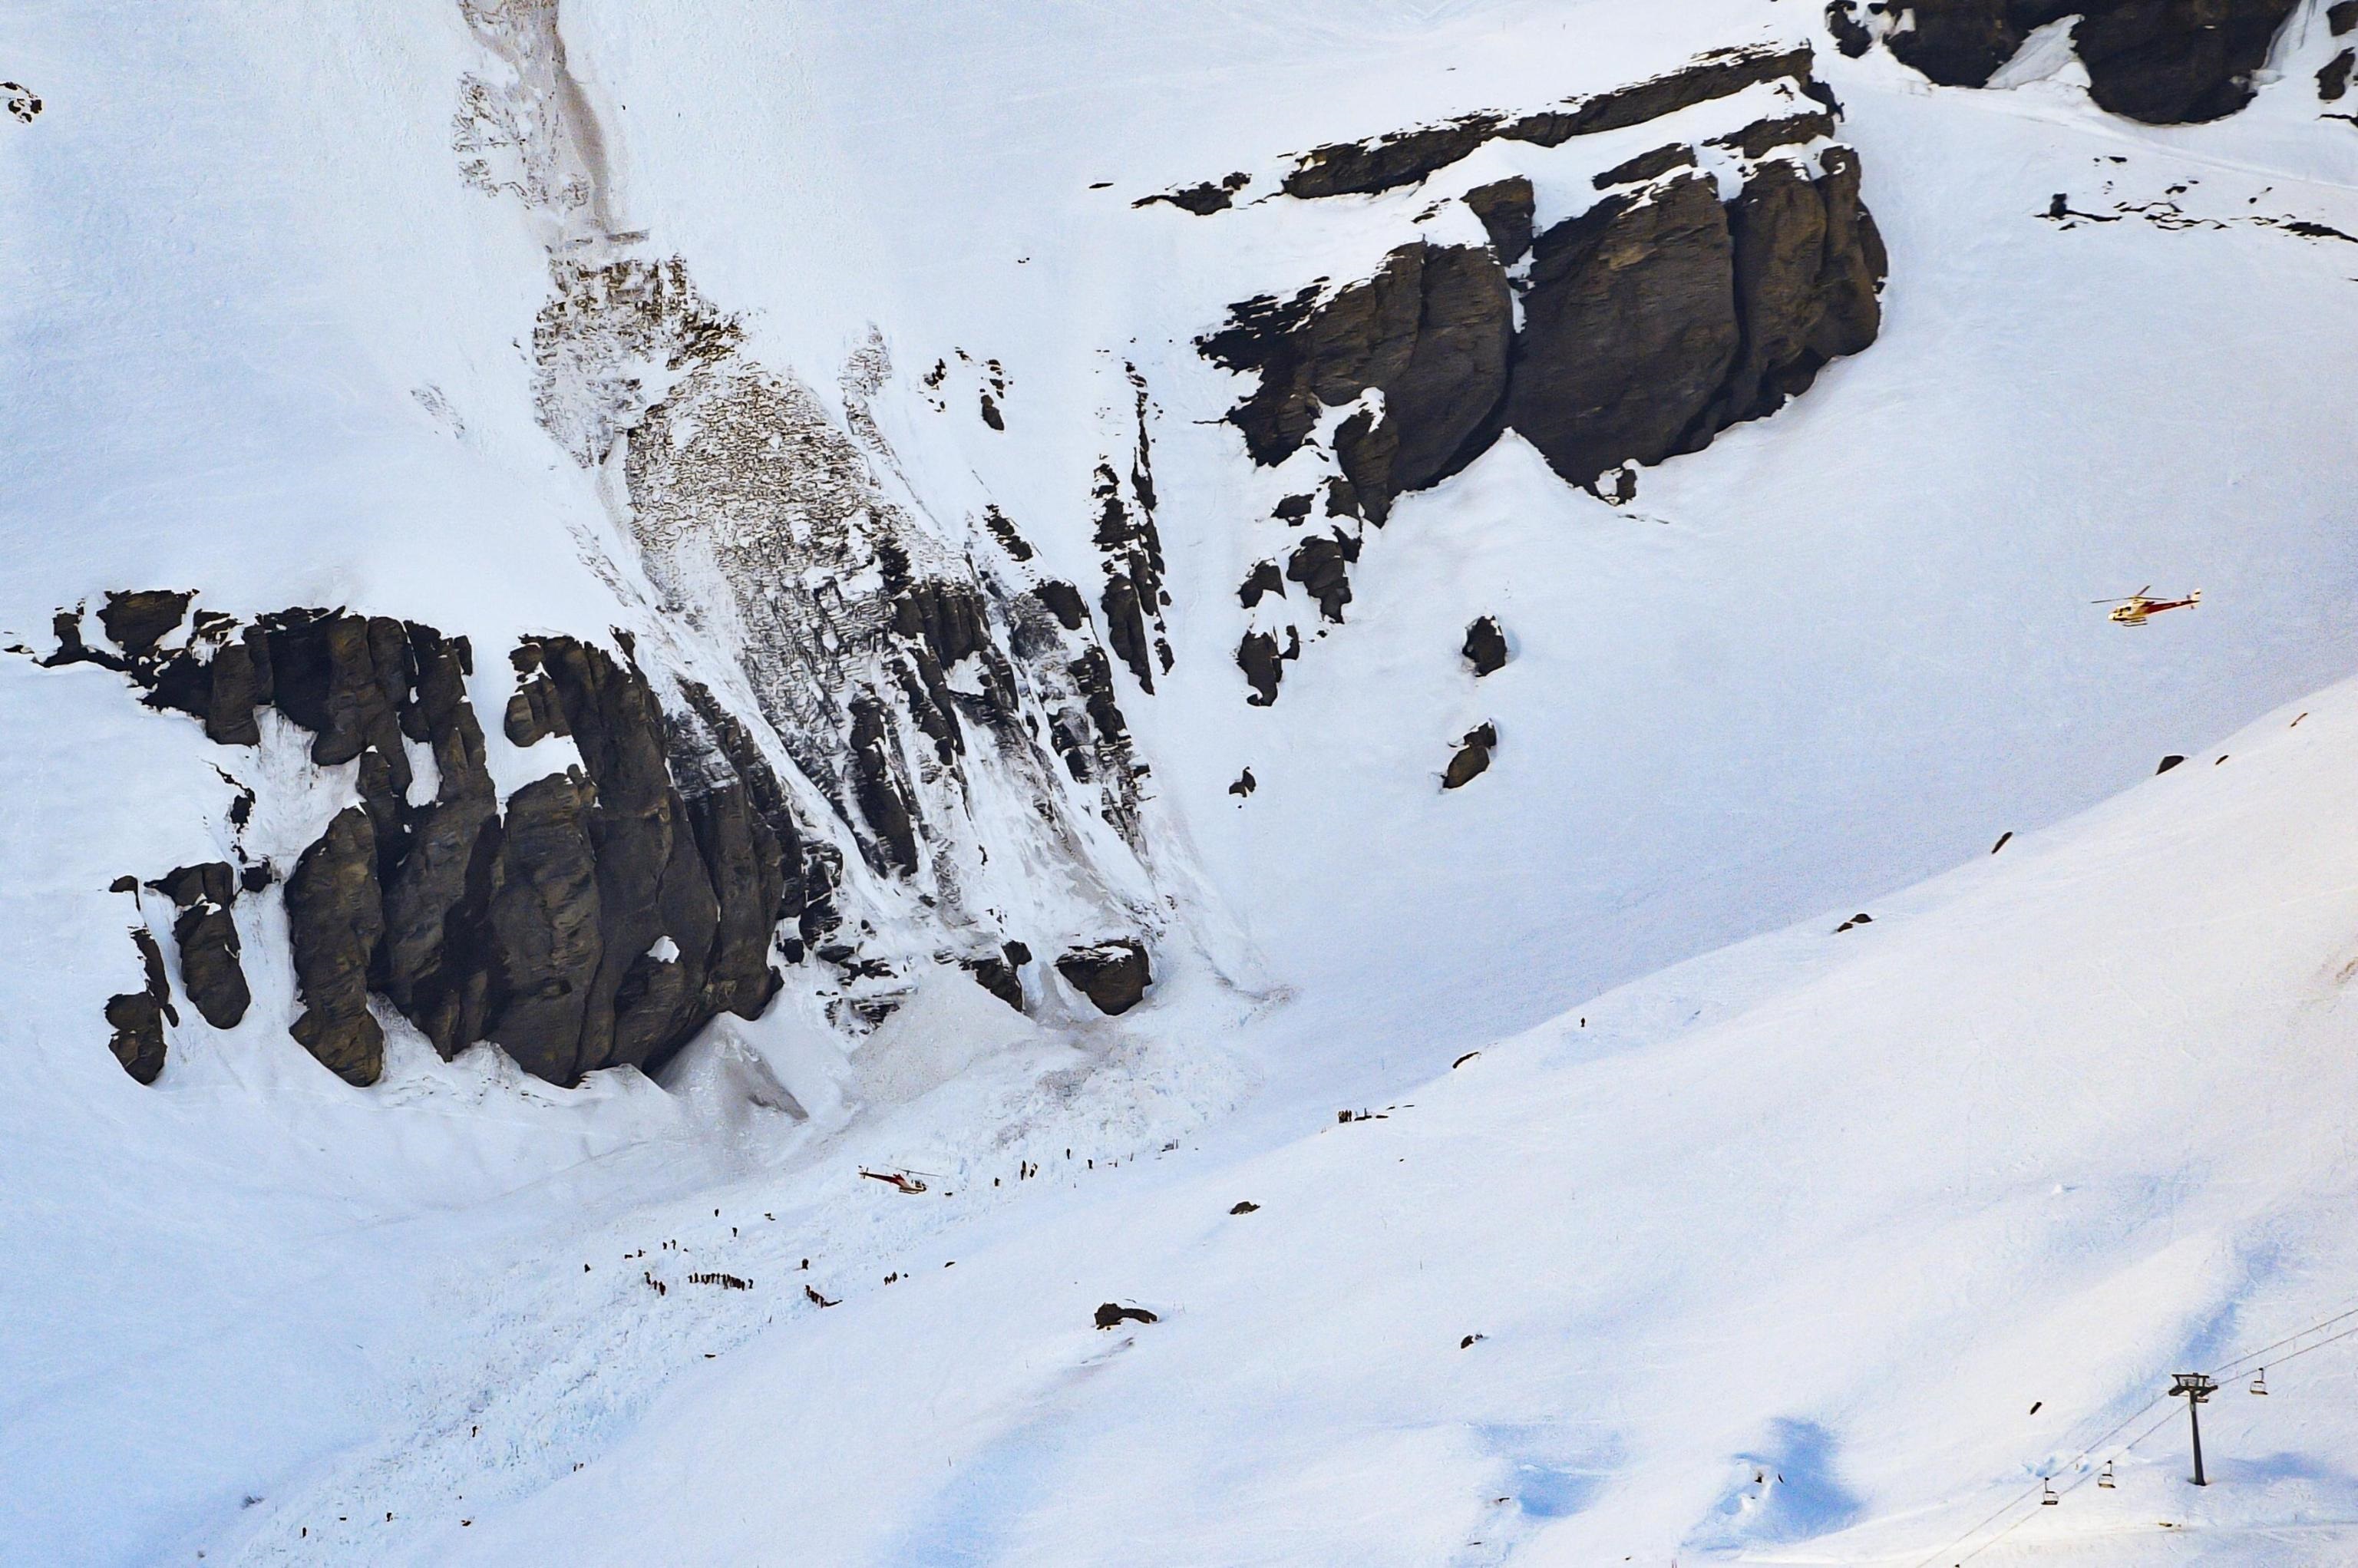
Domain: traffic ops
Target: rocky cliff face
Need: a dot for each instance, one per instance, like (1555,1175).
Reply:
(2162,61)
(857,738)
(1630,331)
(599,917)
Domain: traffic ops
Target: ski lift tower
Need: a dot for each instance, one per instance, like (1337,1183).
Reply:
(2195,1388)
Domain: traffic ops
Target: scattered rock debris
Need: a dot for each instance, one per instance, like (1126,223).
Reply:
(1471,1340)
(2002,839)
(2168,763)
(817,1300)
(1246,783)
(1861,918)
(1247,1206)
(1470,1056)
(24,103)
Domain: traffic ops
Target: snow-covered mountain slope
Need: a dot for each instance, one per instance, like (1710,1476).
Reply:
(805,416)
(1823,1247)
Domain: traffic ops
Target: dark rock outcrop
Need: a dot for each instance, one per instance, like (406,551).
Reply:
(1406,157)
(1201,199)
(1473,757)
(1504,207)
(2333,75)
(238,681)
(139,620)
(1648,324)
(1263,579)
(1654,323)
(139,1017)
(1320,564)
(1486,646)
(1134,595)
(608,913)
(206,935)
(1002,973)
(335,915)
(1113,974)
(1113,1314)
(1262,659)
(1431,331)
(1646,166)
(2161,61)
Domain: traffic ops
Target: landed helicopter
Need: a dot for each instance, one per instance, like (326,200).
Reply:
(2138,607)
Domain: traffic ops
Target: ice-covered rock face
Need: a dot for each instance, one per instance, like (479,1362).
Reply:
(2162,61)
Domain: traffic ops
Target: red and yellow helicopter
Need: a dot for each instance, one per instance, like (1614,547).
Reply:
(2140,607)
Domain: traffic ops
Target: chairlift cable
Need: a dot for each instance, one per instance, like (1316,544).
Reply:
(2321,1344)
(2226,1366)
(2041,1483)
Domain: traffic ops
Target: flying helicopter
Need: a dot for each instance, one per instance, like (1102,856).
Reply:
(2140,607)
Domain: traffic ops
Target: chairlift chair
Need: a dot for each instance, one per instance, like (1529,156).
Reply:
(2105,1477)
(2046,1496)
(2260,1383)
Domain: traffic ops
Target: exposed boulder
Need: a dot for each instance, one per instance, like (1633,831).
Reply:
(138,1039)
(2333,75)
(1320,564)
(1113,1314)
(139,1017)
(1262,659)
(206,935)
(210,967)
(1002,973)
(1113,974)
(1473,757)
(1264,579)
(1486,646)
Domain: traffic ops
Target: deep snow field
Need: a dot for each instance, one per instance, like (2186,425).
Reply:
(1727,1239)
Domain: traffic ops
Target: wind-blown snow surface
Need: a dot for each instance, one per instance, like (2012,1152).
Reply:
(1840,650)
